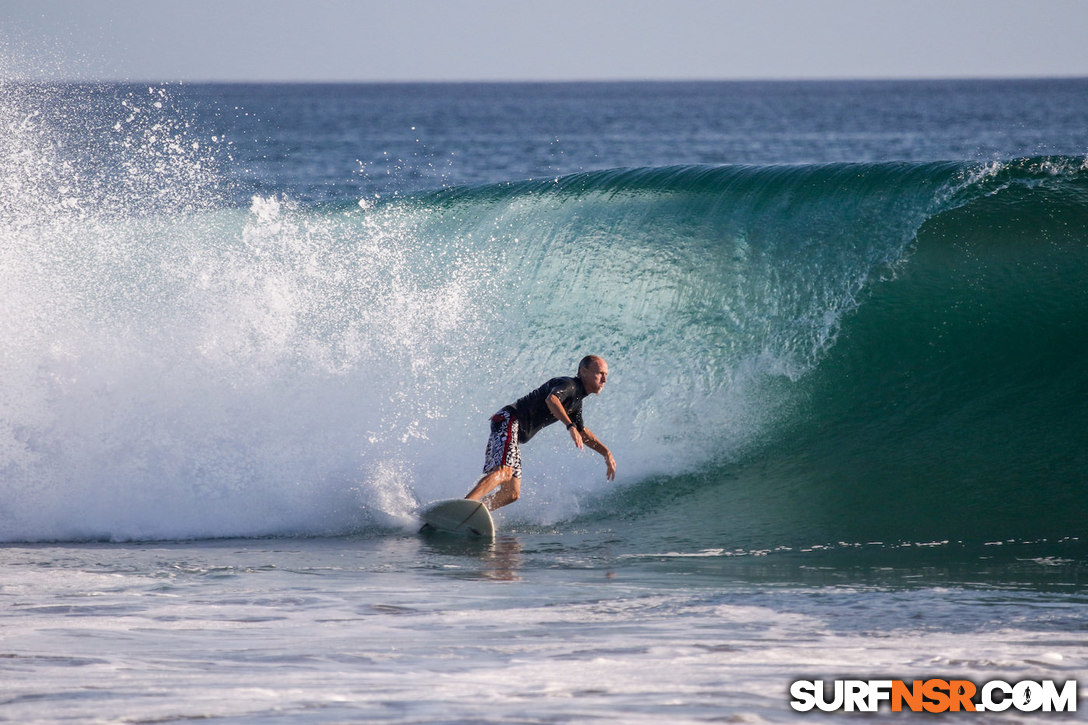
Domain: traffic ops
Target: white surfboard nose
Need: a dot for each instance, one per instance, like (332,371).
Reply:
(458,515)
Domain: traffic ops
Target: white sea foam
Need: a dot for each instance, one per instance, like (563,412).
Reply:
(398,630)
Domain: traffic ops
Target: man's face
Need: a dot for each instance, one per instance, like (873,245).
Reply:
(594,376)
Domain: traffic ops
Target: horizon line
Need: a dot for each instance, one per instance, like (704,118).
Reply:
(544,81)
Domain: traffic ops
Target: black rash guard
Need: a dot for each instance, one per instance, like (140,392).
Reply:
(532,410)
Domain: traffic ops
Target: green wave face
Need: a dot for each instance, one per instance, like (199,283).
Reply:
(860,352)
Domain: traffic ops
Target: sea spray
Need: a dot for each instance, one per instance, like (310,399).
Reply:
(178,370)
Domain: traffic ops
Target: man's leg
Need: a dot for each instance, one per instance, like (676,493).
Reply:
(502,465)
(503,479)
(507,492)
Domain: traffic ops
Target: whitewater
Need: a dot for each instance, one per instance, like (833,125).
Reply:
(249,329)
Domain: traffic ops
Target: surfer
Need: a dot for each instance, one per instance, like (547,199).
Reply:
(559,399)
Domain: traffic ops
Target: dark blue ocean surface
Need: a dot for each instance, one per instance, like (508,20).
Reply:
(336,142)
(342,142)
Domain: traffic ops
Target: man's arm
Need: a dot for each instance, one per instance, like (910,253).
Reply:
(594,444)
(561,415)
(584,437)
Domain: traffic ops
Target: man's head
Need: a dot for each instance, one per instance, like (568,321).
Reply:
(593,372)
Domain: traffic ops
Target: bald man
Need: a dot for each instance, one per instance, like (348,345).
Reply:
(559,399)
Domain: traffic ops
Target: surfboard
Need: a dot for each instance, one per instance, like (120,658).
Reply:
(457,516)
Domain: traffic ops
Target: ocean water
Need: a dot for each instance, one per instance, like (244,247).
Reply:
(248,329)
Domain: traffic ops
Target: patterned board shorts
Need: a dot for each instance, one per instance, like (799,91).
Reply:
(502,446)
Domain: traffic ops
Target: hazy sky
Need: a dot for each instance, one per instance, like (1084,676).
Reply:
(395,40)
